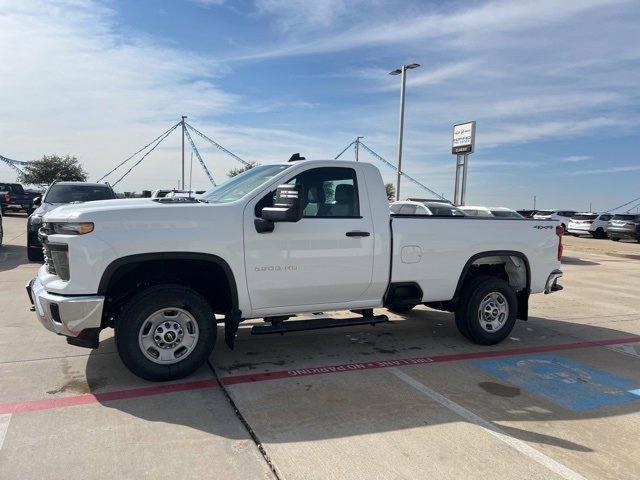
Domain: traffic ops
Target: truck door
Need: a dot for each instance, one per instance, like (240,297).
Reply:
(326,257)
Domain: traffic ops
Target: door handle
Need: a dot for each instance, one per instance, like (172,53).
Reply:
(357,233)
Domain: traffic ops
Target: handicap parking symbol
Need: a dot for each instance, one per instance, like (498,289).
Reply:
(568,383)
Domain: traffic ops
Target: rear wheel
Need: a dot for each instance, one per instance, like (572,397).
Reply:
(165,332)
(615,239)
(486,310)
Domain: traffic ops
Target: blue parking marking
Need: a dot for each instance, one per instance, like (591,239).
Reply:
(570,384)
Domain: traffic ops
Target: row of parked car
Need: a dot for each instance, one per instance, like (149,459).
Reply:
(598,225)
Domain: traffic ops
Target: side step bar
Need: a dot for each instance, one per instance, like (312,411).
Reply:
(321,323)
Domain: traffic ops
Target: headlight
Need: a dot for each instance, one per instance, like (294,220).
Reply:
(73,228)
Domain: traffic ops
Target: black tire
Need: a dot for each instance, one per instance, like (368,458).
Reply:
(401,308)
(615,239)
(140,307)
(466,313)
(34,254)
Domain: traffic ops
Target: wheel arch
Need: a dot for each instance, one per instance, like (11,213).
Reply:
(122,265)
(522,294)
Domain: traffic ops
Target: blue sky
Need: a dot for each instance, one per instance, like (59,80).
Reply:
(552,84)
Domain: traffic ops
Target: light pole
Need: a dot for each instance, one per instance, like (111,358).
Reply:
(401,71)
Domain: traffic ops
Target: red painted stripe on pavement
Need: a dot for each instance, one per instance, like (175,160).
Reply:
(86,399)
(350,367)
(89,398)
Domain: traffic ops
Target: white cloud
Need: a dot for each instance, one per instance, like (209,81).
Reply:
(498,16)
(208,3)
(306,14)
(71,82)
(598,171)
(576,158)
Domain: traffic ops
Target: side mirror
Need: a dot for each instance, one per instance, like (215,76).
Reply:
(287,206)
(37,201)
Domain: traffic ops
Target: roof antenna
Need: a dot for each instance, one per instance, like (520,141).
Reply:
(296,157)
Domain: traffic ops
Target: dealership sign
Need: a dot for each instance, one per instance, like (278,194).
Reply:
(464,137)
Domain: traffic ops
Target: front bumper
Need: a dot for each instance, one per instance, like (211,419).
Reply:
(79,318)
(552,284)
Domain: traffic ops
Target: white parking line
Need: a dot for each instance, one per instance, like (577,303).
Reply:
(631,350)
(4,426)
(522,447)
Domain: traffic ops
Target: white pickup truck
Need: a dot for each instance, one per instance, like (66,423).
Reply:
(273,242)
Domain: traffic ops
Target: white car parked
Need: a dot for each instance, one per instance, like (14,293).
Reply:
(498,212)
(563,216)
(588,223)
(414,207)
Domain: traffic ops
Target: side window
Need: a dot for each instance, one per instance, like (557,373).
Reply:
(408,210)
(605,218)
(329,192)
(326,192)
(395,208)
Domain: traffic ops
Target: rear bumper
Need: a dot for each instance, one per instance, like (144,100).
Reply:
(78,317)
(552,284)
(578,230)
(623,233)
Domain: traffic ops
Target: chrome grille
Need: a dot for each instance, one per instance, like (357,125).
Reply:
(48,260)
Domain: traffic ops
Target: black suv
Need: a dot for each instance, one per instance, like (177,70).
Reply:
(61,193)
(624,225)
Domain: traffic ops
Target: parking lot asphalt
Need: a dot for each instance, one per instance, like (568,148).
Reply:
(408,399)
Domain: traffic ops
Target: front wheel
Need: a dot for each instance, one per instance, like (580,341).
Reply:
(615,239)
(165,332)
(487,310)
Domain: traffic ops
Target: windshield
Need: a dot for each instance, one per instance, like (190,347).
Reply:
(240,185)
(60,193)
(622,216)
(585,216)
(505,214)
(545,213)
(444,210)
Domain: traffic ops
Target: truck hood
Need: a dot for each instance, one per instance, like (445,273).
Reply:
(89,210)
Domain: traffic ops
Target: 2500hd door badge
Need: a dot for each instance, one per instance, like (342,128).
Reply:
(277,268)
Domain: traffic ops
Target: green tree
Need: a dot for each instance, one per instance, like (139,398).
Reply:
(53,167)
(238,170)
(391,191)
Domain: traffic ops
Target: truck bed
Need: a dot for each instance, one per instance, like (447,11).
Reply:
(434,251)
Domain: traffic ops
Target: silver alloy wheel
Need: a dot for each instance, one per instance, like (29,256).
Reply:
(168,335)
(493,312)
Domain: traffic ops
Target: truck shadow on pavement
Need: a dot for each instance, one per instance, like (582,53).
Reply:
(342,405)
